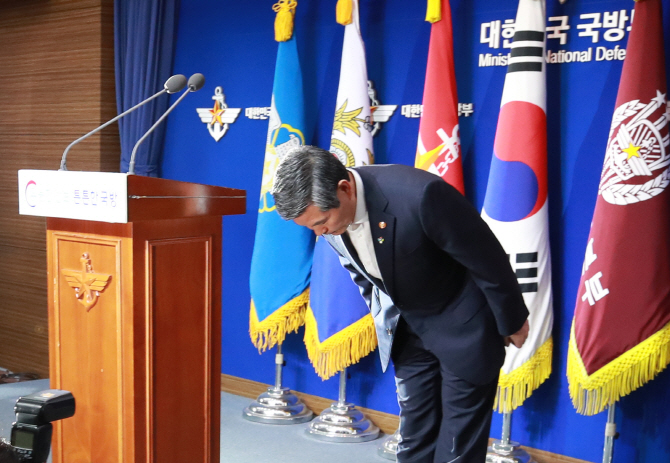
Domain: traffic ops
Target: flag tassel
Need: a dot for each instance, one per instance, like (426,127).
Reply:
(433,11)
(273,330)
(591,394)
(515,387)
(344,12)
(343,349)
(285,10)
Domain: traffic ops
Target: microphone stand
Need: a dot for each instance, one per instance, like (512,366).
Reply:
(63,165)
(131,165)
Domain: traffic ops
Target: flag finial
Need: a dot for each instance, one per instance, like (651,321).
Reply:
(285,10)
(434,11)
(343,11)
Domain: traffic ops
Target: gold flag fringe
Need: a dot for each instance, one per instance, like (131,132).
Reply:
(342,349)
(516,386)
(434,11)
(285,10)
(591,394)
(343,12)
(287,319)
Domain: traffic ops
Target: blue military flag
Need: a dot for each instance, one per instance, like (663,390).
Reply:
(282,257)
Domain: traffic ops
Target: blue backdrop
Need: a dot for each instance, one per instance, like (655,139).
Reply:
(232,44)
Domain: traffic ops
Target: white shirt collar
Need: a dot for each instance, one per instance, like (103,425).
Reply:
(361,210)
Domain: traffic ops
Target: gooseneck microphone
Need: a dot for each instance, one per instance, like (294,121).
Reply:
(195,83)
(173,85)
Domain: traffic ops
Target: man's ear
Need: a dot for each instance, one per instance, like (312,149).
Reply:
(346,187)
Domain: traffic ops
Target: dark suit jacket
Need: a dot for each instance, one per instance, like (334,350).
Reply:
(442,269)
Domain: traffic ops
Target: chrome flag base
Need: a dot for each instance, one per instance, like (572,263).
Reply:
(278,406)
(342,422)
(389,448)
(509,452)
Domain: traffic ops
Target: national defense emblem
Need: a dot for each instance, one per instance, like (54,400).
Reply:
(219,117)
(86,283)
(379,113)
(637,158)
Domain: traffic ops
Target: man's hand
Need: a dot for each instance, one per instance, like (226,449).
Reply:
(519,337)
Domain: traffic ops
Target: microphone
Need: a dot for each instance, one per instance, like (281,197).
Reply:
(195,83)
(173,85)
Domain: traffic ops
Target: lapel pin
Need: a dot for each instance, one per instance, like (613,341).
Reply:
(380,239)
(382,225)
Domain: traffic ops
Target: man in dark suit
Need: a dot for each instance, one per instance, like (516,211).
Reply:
(439,285)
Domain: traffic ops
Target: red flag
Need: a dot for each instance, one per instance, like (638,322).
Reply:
(621,329)
(439,147)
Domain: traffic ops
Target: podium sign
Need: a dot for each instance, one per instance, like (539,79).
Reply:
(97,196)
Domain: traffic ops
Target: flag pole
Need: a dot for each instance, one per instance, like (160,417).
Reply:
(342,395)
(278,405)
(610,434)
(505,449)
(342,421)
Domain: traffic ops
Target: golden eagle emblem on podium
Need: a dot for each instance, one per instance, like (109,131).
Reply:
(86,283)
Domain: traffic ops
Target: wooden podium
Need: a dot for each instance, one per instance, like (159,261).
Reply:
(135,318)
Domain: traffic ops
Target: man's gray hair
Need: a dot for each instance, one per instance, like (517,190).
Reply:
(307,175)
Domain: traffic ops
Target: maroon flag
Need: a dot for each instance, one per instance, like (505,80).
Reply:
(621,329)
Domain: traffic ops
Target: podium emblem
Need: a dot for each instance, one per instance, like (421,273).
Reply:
(86,283)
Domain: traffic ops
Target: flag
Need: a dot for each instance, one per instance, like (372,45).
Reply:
(281,262)
(339,329)
(620,336)
(515,205)
(439,146)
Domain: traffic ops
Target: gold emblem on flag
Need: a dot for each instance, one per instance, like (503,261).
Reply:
(347,119)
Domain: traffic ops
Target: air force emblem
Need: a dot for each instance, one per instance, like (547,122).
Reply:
(219,117)
(637,158)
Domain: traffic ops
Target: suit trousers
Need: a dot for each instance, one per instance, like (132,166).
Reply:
(443,418)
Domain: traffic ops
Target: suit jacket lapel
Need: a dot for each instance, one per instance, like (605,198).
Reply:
(382,227)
